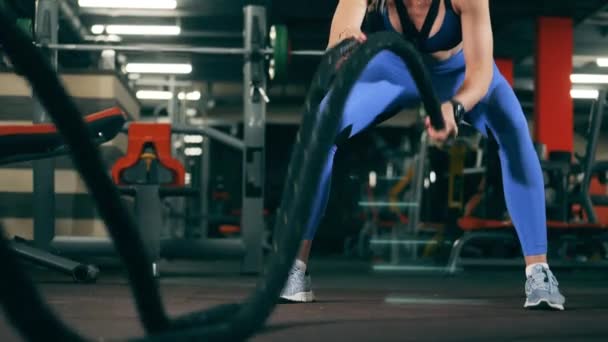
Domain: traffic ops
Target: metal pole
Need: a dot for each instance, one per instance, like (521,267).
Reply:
(589,161)
(414,212)
(146,48)
(252,221)
(43,196)
(203,50)
(205,173)
(211,133)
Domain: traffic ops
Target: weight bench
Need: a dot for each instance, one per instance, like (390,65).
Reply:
(149,173)
(477,229)
(19,143)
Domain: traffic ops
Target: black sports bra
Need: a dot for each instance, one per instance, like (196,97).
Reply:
(448,36)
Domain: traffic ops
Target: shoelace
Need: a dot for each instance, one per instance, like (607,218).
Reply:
(544,280)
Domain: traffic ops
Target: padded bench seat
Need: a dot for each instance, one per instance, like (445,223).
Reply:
(29,142)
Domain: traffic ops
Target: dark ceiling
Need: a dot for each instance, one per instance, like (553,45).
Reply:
(219,23)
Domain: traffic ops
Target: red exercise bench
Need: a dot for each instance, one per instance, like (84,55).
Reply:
(156,137)
(477,228)
(19,143)
(39,141)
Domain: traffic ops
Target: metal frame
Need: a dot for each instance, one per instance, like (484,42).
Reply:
(412,228)
(588,165)
(46,30)
(250,246)
(254,96)
(588,160)
(456,261)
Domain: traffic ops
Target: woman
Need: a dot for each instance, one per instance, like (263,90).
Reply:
(455,37)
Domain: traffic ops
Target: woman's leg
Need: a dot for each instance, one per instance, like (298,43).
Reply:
(522,175)
(384,86)
(523,188)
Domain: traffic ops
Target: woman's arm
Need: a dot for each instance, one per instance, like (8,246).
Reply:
(478,51)
(347,21)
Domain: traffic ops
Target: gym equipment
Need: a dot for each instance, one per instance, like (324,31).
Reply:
(227,322)
(588,163)
(23,143)
(278,53)
(484,229)
(279,41)
(253,147)
(40,141)
(149,173)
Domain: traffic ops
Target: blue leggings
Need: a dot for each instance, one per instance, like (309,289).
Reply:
(386,86)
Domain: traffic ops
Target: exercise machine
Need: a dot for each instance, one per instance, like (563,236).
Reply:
(479,229)
(20,143)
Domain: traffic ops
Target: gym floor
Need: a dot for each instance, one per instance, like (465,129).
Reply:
(353,304)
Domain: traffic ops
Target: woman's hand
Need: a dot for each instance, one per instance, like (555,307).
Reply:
(450,129)
(352,33)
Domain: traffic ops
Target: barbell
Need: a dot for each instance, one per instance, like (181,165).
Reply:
(278,53)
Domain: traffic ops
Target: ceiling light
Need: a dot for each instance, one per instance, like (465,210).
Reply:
(138,4)
(591,94)
(192,96)
(154,95)
(193,139)
(143,30)
(589,78)
(98,29)
(152,68)
(193,151)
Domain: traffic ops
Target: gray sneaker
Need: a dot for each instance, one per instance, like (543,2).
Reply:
(298,287)
(542,290)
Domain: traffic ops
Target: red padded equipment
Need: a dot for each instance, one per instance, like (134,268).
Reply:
(39,141)
(157,135)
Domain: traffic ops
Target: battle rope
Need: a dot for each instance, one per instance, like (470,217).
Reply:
(225,322)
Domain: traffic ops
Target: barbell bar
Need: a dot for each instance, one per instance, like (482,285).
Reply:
(280,52)
(147,48)
(173,49)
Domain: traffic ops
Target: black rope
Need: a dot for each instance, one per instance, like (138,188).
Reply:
(313,143)
(24,306)
(87,159)
(315,139)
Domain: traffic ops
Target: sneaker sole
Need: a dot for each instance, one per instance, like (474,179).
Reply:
(300,297)
(543,304)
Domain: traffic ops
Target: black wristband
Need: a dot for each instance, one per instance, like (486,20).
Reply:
(459,111)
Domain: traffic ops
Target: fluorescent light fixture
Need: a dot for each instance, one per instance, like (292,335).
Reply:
(602,62)
(193,139)
(193,151)
(591,94)
(191,112)
(192,96)
(154,95)
(373,179)
(142,30)
(98,29)
(589,79)
(152,68)
(137,4)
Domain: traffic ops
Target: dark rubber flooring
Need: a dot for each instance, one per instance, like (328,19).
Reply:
(354,304)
